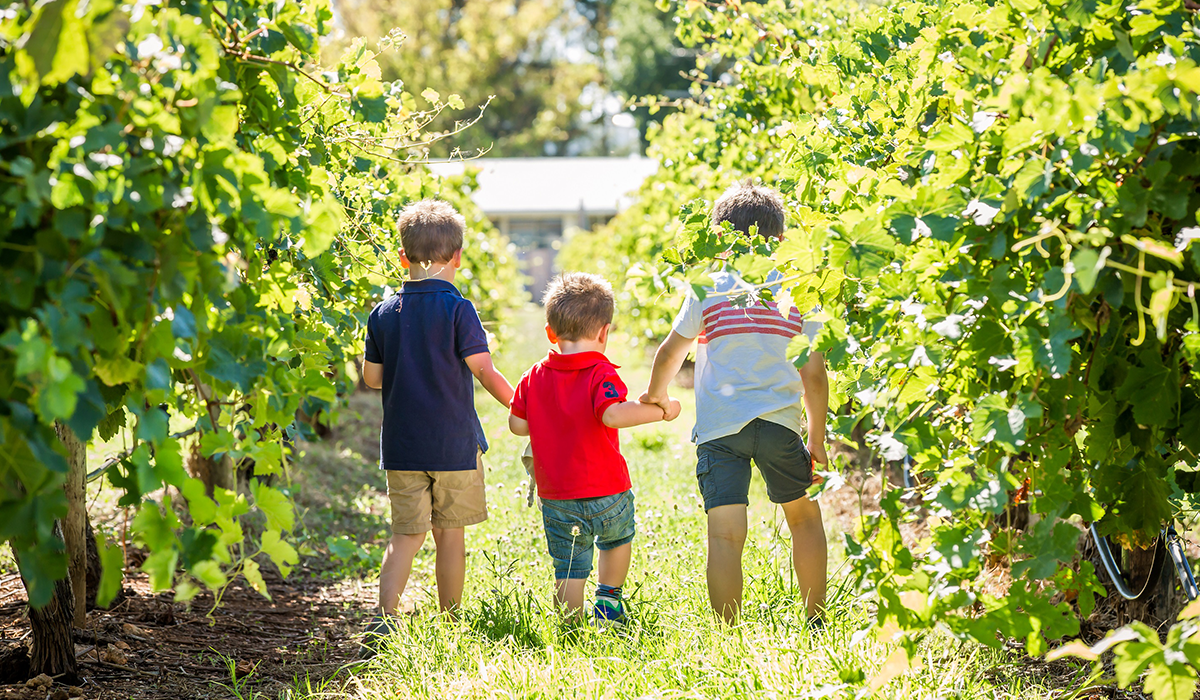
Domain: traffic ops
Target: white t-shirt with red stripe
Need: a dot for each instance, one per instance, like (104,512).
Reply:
(742,369)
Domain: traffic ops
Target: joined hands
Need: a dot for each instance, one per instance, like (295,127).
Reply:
(670,406)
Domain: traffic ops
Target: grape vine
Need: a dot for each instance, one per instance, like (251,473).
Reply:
(196,219)
(996,205)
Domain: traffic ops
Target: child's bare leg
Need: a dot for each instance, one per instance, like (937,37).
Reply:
(450,565)
(614,565)
(726,538)
(397,565)
(569,594)
(809,552)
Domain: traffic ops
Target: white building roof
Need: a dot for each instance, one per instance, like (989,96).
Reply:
(543,186)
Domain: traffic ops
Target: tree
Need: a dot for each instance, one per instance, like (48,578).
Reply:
(521,55)
(648,62)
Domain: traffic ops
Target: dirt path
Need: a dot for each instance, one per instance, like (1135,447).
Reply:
(150,648)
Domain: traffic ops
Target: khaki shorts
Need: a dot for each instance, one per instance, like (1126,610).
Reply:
(422,501)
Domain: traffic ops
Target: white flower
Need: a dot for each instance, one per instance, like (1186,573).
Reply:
(1164,59)
(1088,149)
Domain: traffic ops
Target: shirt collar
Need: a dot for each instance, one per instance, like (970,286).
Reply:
(577,360)
(429,284)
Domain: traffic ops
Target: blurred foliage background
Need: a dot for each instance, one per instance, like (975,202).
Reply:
(556,72)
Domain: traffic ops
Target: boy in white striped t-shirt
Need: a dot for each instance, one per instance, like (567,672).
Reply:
(748,407)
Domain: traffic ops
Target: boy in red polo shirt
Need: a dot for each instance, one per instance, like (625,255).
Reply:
(571,405)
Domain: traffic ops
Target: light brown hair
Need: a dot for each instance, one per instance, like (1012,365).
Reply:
(431,231)
(746,204)
(578,305)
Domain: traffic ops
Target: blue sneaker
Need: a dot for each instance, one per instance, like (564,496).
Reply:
(609,611)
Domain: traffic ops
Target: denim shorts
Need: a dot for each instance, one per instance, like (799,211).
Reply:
(605,522)
(723,465)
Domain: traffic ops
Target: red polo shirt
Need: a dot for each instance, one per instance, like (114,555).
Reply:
(564,398)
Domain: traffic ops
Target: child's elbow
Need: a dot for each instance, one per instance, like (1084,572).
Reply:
(372,375)
(614,418)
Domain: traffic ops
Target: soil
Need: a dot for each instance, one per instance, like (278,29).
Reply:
(149,648)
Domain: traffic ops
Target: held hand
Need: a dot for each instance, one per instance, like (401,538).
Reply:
(663,402)
(672,411)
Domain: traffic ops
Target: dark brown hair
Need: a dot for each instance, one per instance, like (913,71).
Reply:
(746,204)
(431,231)
(578,305)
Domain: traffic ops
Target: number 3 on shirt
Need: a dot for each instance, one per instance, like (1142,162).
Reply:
(610,390)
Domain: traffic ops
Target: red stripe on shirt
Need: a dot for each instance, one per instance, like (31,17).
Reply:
(769,307)
(742,330)
(750,324)
(752,315)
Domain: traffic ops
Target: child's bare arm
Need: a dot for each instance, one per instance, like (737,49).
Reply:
(372,374)
(481,366)
(816,404)
(518,426)
(667,361)
(630,413)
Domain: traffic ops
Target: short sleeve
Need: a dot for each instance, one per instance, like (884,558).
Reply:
(469,336)
(371,351)
(607,390)
(518,407)
(688,323)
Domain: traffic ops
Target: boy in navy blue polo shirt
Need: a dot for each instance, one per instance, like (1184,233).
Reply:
(423,345)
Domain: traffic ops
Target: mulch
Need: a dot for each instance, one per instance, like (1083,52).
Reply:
(148,647)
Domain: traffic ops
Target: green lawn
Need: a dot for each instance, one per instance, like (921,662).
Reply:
(509,642)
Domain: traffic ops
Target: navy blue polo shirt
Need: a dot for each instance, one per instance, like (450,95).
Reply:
(421,337)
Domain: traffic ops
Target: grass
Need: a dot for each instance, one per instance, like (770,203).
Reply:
(509,642)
